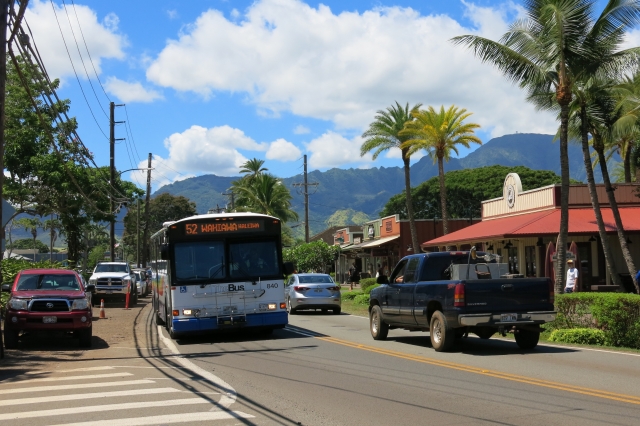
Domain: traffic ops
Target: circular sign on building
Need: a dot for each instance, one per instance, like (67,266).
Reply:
(511,188)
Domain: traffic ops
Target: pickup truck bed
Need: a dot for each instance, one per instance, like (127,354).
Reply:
(421,296)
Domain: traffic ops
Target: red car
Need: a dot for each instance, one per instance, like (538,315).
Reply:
(48,300)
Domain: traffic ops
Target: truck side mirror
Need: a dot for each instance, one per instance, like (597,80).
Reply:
(6,287)
(164,252)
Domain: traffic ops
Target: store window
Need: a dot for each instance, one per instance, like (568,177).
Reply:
(530,261)
(513,260)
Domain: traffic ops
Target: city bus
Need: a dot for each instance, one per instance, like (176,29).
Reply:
(219,272)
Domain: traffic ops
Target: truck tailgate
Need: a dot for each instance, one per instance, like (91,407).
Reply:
(507,295)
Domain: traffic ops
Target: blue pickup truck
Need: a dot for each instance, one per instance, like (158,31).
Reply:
(451,294)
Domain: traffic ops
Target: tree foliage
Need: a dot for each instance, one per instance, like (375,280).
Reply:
(29,244)
(466,190)
(311,257)
(347,217)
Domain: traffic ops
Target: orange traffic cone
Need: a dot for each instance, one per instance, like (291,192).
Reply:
(102,314)
(126,302)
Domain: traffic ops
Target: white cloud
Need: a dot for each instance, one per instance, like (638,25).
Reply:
(130,92)
(301,130)
(283,150)
(214,150)
(172,13)
(102,38)
(334,150)
(288,56)
(163,173)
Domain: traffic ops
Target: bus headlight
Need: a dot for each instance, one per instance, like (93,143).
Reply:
(186,312)
(272,306)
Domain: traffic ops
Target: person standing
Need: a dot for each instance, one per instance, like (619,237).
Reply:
(572,277)
(381,276)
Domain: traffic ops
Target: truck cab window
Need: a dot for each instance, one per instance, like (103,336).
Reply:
(410,273)
(398,273)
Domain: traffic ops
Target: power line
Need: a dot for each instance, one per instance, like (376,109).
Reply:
(87,48)
(74,69)
(66,11)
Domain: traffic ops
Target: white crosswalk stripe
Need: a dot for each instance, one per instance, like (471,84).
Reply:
(161,401)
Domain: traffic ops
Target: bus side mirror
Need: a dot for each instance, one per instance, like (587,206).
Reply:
(164,252)
(288,268)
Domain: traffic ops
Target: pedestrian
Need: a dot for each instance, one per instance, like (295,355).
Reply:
(381,275)
(572,277)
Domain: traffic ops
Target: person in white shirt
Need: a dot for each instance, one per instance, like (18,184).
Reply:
(572,277)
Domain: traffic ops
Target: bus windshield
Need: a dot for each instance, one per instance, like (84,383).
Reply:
(205,260)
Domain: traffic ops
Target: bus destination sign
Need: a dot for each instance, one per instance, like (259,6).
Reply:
(203,228)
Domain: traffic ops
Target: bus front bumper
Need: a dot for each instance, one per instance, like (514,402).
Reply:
(267,319)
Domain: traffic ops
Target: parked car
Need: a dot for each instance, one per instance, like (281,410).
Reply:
(312,291)
(46,300)
(143,282)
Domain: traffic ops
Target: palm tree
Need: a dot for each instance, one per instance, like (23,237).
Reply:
(382,135)
(252,168)
(627,127)
(264,194)
(546,52)
(440,133)
(31,224)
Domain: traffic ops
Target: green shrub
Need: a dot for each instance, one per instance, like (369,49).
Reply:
(350,295)
(584,336)
(368,289)
(616,314)
(367,282)
(361,299)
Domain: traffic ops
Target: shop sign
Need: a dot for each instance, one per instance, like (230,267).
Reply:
(370,231)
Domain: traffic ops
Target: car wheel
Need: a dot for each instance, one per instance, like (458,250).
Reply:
(527,339)
(85,337)
(379,328)
(442,335)
(336,311)
(290,310)
(10,339)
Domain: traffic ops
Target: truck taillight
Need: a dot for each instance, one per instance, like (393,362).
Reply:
(458,295)
(552,292)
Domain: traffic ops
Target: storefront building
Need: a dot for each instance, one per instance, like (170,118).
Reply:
(385,241)
(523,226)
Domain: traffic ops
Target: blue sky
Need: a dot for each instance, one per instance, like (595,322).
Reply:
(210,84)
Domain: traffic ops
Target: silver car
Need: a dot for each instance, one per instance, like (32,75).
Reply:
(312,291)
(141,283)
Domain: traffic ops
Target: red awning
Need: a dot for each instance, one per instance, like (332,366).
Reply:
(537,224)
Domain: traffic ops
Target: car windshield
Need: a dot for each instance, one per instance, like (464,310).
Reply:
(111,268)
(48,282)
(314,279)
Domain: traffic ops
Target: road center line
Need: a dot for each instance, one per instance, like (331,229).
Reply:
(496,374)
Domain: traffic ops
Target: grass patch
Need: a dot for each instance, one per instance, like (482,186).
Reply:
(354,303)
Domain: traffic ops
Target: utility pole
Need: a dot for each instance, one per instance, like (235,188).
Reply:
(233,201)
(112,178)
(306,186)
(145,235)
(138,233)
(4,6)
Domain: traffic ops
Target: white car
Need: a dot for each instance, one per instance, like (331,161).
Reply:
(142,284)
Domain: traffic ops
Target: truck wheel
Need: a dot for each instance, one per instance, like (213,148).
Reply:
(85,337)
(442,335)
(10,339)
(379,328)
(527,339)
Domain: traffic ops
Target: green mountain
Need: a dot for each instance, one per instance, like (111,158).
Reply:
(366,191)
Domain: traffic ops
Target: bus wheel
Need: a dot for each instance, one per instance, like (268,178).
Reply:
(159,320)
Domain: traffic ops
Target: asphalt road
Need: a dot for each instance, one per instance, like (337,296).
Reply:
(320,370)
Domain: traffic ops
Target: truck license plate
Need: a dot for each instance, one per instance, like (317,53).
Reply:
(508,317)
(49,320)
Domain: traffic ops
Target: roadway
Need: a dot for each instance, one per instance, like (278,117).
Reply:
(325,370)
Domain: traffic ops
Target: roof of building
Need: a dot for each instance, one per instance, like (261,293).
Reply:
(582,221)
